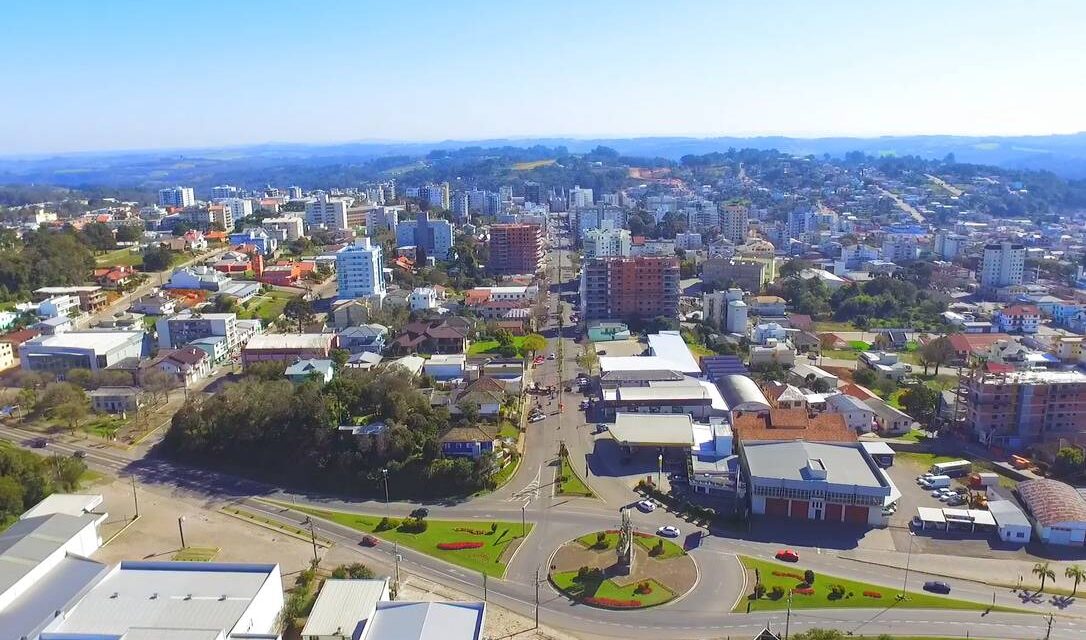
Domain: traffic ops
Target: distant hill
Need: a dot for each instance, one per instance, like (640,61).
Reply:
(350,163)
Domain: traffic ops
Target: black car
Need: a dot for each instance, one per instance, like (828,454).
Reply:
(80,454)
(936,586)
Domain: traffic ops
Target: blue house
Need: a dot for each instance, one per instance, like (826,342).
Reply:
(471,441)
(366,337)
(265,243)
(304,370)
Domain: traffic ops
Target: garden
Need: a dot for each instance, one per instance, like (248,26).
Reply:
(480,546)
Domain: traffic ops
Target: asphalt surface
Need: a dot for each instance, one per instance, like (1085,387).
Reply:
(704,612)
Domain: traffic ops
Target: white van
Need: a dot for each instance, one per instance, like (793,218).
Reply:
(936,482)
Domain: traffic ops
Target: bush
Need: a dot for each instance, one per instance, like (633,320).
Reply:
(474,532)
(809,577)
(759,590)
(387,523)
(872,594)
(803,591)
(776,593)
(493,527)
(837,592)
(458,546)
(657,549)
(414,525)
(643,588)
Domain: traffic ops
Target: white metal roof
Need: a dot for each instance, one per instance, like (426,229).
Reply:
(73,504)
(670,346)
(289,341)
(344,607)
(665,429)
(427,621)
(97,341)
(878,448)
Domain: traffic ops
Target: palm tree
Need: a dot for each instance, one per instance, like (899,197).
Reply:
(1044,572)
(1075,573)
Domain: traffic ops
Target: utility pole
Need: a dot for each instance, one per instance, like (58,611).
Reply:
(388,512)
(537,597)
(908,561)
(135,498)
(1048,633)
(484,586)
(181,530)
(788,615)
(313,539)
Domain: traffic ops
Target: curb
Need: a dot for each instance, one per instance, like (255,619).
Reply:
(122,530)
(321,542)
(743,591)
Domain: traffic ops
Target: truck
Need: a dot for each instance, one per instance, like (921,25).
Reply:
(954,469)
(936,482)
(978,480)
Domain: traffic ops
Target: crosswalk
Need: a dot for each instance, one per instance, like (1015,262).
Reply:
(529,492)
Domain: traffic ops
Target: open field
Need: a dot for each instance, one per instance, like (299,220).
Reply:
(486,346)
(266,306)
(196,554)
(485,559)
(857,594)
(119,258)
(528,166)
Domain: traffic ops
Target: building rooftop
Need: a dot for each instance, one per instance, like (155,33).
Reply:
(274,341)
(31,540)
(1034,376)
(670,346)
(73,504)
(100,342)
(842,464)
(427,621)
(646,429)
(792,424)
(1052,502)
(1006,513)
(344,606)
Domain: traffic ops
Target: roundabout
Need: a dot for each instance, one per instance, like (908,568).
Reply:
(612,570)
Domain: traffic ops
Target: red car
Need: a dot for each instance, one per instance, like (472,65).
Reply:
(538,360)
(787,555)
(369,541)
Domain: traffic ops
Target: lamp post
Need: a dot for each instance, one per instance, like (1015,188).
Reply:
(388,512)
(181,530)
(523,525)
(908,561)
(660,471)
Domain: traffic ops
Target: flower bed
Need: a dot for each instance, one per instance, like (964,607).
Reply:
(612,603)
(474,532)
(788,574)
(872,594)
(804,591)
(457,546)
(642,534)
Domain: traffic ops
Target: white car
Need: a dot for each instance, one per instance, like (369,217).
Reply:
(936,493)
(536,417)
(551,356)
(647,506)
(668,531)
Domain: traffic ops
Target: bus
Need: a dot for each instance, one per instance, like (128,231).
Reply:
(954,469)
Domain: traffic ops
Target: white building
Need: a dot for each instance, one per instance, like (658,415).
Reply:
(858,416)
(294,193)
(92,350)
(422,298)
(327,213)
(689,241)
(900,247)
(606,241)
(734,219)
(737,317)
(224,191)
(234,210)
(579,197)
(1002,265)
(290,227)
(360,270)
(62,306)
(176,197)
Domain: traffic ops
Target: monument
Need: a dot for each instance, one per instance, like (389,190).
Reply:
(624,548)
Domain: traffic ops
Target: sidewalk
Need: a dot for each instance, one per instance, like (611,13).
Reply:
(999,572)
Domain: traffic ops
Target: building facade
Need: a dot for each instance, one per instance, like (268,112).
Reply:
(1018,409)
(618,288)
(360,270)
(327,213)
(515,248)
(1002,265)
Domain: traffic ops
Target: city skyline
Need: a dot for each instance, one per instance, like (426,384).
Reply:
(136,76)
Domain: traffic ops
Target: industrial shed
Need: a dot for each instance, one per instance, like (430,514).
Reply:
(1057,509)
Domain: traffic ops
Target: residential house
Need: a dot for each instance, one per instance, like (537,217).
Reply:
(888,420)
(448,335)
(806,342)
(972,345)
(895,339)
(188,365)
(305,370)
(1018,318)
(885,365)
(471,441)
(422,298)
(857,414)
(801,374)
(364,338)
(113,277)
(766,305)
(444,367)
(772,353)
(115,399)
(486,392)
(155,304)
(233,262)
(785,396)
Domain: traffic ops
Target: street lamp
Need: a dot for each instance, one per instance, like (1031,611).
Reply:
(388,512)
(181,530)
(908,561)
(660,471)
(523,526)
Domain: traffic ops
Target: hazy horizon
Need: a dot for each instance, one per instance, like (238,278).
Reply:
(135,76)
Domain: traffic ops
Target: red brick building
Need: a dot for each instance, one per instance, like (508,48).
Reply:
(515,248)
(642,287)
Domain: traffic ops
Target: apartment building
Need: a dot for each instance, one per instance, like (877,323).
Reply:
(327,213)
(184,328)
(1019,409)
(734,219)
(289,228)
(360,270)
(234,210)
(176,197)
(433,238)
(1002,265)
(606,241)
(515,248)
(385,218)
(744,274)
(579,197)
(642,287)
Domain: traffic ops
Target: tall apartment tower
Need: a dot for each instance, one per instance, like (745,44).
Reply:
(432,237)
(606,241)
(234,210)
(533,192)
(329,213)
(734,220)
(224,191)
(176,197)
(360,270)
(579,197)
(515,248)
(1003,265)
(294,193)
(643,287)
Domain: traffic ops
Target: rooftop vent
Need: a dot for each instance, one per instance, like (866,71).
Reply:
(815,469)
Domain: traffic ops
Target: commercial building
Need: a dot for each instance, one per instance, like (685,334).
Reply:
(427,621)
(1018,318)
(176,197)
(360,270)
(748,275)
(326,213)
(1012,525)
(1019,409)
(835,482)
(92,350)
(290,228)
(696,398)
(515,249)
(288,347)
(432,238)
(1002,265)
(1058,511)
(605,242)
(344,608)
(626,288)
(384,218)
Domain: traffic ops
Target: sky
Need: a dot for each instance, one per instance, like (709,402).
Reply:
(133,74)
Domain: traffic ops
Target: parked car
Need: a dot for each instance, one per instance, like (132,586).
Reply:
(39,443)
(551,356)
(937,586)
(80,454)
(956,501)
(584,404)
(668,531)
(536,417)
(647,506)
(916,522)
(787,555)
(600,428)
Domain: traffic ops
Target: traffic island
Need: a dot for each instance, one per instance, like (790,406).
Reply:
(587,570)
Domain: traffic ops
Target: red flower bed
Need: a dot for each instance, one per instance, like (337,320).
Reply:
(872,594)
(804,591)
(457,546)
(474,532)
(613,603)
(788,574)
(611,531)
(642,534)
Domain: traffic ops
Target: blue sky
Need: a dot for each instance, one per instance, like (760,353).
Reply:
(119,74)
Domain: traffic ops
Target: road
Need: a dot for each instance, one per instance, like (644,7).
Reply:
(705,611)
(901,204)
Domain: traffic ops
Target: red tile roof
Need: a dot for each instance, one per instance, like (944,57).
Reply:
(969,342)
(793,424)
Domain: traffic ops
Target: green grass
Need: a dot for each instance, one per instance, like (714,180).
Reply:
(840,354)
(567,582)
(508,430)
(528,166)
(486,559)
(486,346)
(572,485)
(89,478)
(916,435)
(105,427)
(590,540)
(266,306)
(830,326)
(859,345)
(119,258)
(196,554)
(506,473)
(671,550)
(925,459)
(821,600)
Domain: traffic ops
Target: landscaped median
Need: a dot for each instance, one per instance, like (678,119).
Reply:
(568,483)
(827,591)
(484,546)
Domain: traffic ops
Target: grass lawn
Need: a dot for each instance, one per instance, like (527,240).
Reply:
(916,435)
(840,354)
(567,581)
(572,485)
(508,430)
(266,306)
(485,559)
(528,166)
(119,258)
(821,327)
(821,599)
(925,459)
(590,540)
(105,427)
(859,345)
(506,473)
(196,554)
(700,350)
(89,477)
(486,346)
(671,550)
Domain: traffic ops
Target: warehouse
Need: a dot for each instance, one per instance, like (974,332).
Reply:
(1057,510)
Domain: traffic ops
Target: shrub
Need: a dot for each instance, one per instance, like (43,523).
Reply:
(388,523)
(643,588)
(776,593)
(414,525)
(788,574)
(803,591)
(493,527)
(458,546)
(809,576)
(613,603)
(474,532)
(837,592)
(658,549)
(582,572)
(759,590)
